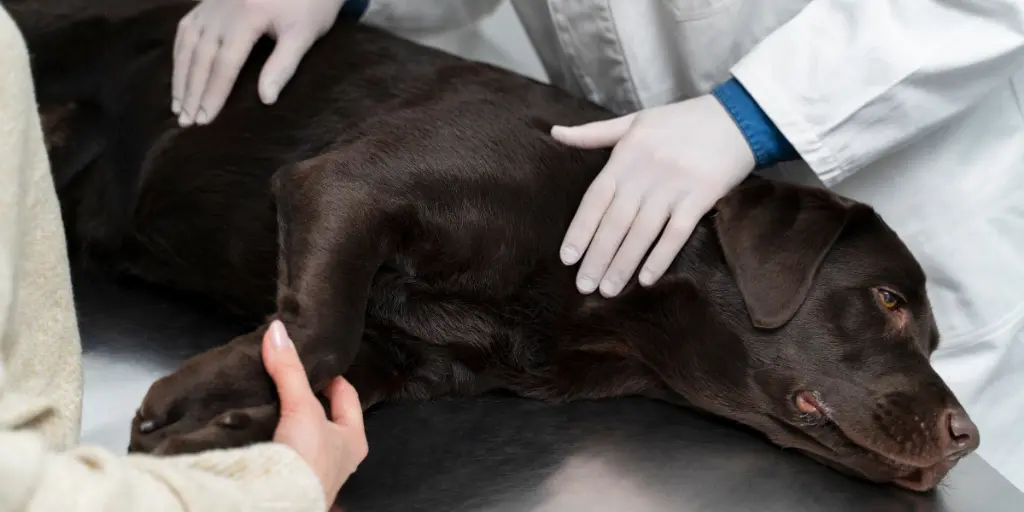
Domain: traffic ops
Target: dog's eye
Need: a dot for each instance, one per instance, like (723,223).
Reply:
(889,299)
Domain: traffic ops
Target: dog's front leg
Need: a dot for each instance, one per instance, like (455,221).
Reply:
(334,234)
(332,239)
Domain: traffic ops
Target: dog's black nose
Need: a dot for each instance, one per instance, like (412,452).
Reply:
(961,434)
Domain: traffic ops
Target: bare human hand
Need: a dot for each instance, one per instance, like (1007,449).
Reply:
(333,447)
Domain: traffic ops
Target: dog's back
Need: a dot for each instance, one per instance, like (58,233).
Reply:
(192,209)
(455,154)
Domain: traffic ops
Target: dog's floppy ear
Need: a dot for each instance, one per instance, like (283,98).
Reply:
(74,136)
(774,237)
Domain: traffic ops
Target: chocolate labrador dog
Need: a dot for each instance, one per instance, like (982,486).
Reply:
(411,205)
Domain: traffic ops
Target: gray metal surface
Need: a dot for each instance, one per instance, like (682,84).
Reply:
(507,454)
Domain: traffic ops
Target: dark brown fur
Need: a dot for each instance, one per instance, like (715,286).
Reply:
(411,204)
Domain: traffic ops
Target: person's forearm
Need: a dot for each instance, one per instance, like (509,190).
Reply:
(418,17)
(266,477)
(849,81)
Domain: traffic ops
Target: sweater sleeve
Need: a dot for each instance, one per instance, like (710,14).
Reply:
(40,364)
(39,344)
(264,477)
(850,81)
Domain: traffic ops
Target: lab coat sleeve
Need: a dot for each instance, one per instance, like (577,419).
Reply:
(420,17)
(850,81)
(40,364)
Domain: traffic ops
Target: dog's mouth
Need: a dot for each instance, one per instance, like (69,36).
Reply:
(867,461)
(913,479)
(925,479)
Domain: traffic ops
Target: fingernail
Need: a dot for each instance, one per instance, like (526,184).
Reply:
(609,287)
(586,285)
(202,118)
(569,255)
(176,106)
(646,278)
(184,119)
(278,336)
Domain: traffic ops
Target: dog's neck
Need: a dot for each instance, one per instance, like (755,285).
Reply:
(686,329)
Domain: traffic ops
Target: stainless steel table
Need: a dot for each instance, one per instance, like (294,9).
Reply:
(501,453)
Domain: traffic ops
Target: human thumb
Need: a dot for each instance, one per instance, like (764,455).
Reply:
(599,134)
(345,406)
(285,368)
(282,63)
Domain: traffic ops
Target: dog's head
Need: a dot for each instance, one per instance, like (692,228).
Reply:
(828,339)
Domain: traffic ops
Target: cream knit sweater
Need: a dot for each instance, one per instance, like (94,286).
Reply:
(41,469)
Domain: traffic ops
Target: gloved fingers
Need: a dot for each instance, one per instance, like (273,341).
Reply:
(280,66)
(201,64)
(599,134)
(185,41)
(227,64)
(588,216)
(680,226)
(613,228)
(642,235)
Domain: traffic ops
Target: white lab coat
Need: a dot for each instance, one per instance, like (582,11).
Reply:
(912,106)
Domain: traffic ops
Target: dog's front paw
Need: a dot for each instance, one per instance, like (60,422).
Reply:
(233,429)
(191,398)
(174,405)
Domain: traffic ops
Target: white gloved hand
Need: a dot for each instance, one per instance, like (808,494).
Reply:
(215,39)
(670,164)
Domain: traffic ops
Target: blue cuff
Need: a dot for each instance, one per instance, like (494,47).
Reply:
(766,141)
(353,10)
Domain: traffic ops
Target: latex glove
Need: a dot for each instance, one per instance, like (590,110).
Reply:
(215,39)
(669,166)
(334,447)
